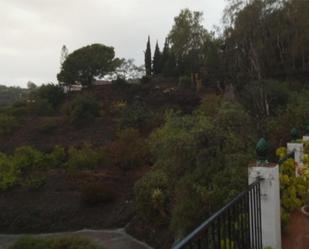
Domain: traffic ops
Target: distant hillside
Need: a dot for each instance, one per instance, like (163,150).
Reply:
(10,95)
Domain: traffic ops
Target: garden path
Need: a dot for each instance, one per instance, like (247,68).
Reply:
(109,239)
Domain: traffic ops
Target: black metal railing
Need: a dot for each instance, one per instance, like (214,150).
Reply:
(236,226)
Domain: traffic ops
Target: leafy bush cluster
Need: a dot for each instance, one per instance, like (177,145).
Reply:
(293,189)
(8,124)
(82,110)
(84,157)
(129,150)
(68,242)
(200,163)
(135,116)
(45,100)
(151,197)
(53,94)
(27,165)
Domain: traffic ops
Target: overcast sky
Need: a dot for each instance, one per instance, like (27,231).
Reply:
(33,31)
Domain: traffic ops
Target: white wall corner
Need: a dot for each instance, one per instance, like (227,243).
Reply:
(298,148)
(270,203)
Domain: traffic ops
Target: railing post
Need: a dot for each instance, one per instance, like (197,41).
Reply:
(269,195)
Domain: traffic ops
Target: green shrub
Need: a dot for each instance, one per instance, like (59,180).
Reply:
(135,116)
(83,110)
(22,168)
(68,242)
(191,201)
(56,158)
(85,157)
(27,158)
(151,197)
(41,107)
(27,167)
(292,190)
(129,150)
(8,124)
(53,94)
(18,109)
(204,161)
(210,105)
(185,82)
(8,173)
(93,193)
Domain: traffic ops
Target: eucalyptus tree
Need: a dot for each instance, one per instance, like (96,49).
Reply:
(187,39)
(267,39)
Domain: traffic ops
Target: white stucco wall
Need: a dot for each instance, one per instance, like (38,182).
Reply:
(299,151)
(270,204)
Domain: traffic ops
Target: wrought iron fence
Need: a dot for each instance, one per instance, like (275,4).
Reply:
(235,226)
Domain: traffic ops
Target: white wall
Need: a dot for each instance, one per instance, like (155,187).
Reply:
(270,203)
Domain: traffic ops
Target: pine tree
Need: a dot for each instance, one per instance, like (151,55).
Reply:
(148,58)
(157,60)
(64,54)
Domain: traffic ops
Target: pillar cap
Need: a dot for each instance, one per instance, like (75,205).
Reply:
(262,147)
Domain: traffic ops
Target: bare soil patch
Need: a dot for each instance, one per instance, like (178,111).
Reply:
(57,206)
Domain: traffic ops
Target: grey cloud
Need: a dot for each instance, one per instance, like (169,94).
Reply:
(33,31)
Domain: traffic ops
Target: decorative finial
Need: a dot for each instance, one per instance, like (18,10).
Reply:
(295,134)
(262,150)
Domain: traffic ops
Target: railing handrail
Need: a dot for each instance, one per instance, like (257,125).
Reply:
(206,223)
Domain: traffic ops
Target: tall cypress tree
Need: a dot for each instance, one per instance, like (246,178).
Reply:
(148,58)
(157,59)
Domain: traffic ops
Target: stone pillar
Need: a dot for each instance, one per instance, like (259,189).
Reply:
(298,149)
(270,202)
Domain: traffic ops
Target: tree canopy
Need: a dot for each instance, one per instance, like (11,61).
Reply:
(86,63)
(187,39)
